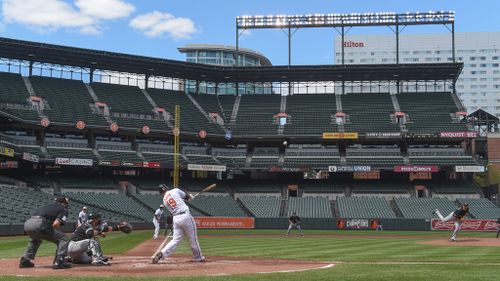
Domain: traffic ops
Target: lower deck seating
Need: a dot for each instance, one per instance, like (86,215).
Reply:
(422,208)
(218,205)
(114,202)
(310,207)
(364,208)
(262,206)
(481,208)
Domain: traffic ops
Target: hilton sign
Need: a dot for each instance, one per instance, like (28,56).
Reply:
(352,44)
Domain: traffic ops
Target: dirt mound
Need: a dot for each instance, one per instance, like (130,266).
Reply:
(468,241)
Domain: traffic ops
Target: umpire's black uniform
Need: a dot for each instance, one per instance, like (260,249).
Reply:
(40,227)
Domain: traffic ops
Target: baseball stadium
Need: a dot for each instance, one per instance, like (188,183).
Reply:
(370,158)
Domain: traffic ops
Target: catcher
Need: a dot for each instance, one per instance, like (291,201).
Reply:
(84,247)
(294,221)
(457,216)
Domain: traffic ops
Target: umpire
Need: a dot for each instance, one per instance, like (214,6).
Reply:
(44,224)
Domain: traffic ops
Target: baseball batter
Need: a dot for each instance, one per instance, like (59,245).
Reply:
(294,221)
(457,216)
(184,224)
(156,221)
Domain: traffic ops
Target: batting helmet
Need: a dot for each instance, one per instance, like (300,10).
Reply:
(162,188)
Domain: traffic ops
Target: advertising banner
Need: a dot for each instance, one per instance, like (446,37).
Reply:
(213,168)
(458,135)
(340,169)
(74,162)
(109,163)
(6,151)
(357,224)
(469,169)
(151,164)
(344,135)
(31,157)
(8,165)
(476,225)
(224,222)
(382,135)
(415,169)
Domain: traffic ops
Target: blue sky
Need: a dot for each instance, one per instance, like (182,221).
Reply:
(157,27)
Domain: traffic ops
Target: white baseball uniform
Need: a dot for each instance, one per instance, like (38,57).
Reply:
(156,222)
(82,218)
(184,224)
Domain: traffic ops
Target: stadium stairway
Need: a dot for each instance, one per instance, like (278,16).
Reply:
(284,208)
(244,208)
(395,209)
(234,112)
(335,209)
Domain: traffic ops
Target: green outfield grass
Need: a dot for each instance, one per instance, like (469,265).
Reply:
(359,255)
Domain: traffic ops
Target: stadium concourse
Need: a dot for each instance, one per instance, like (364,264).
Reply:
(345,158)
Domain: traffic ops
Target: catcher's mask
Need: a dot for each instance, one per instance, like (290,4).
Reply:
(95,217)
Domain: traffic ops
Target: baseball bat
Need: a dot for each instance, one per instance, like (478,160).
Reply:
(161,246)
(208,188)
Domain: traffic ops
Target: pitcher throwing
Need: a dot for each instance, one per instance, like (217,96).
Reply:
(184,224)
(457,216)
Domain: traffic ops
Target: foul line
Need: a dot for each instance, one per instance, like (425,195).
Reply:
(298,270)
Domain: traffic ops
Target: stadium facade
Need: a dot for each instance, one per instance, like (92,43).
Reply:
(479,84)
(225,56)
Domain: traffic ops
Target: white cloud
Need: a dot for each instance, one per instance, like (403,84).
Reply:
(156,24)
(51,15)
(105,9)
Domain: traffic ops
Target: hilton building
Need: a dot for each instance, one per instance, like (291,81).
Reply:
(479,83)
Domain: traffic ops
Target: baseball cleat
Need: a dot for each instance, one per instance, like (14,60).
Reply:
(453,240)
(157,258)
(25,263)
(435,211)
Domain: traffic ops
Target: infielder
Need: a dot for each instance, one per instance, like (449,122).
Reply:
(498,227)
(184,224)
(156,221)
(82,216)
(457,216)
(294,221)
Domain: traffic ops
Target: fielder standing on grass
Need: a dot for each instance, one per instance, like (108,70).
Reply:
(294,221)
(82,216)
(183,222)
(157,220)
(457,217)
(498,227)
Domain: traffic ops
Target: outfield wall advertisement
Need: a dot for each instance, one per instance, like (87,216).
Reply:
(224,222)
(476,225)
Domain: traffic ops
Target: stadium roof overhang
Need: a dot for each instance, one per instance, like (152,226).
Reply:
(103,60)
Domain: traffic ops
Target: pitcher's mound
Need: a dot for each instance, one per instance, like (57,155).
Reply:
(466,241)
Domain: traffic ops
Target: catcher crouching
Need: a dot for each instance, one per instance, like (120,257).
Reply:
(84,247)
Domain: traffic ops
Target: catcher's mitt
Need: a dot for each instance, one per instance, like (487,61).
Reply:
(125,227)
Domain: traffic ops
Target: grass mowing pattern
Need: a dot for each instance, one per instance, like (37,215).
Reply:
(353,250)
